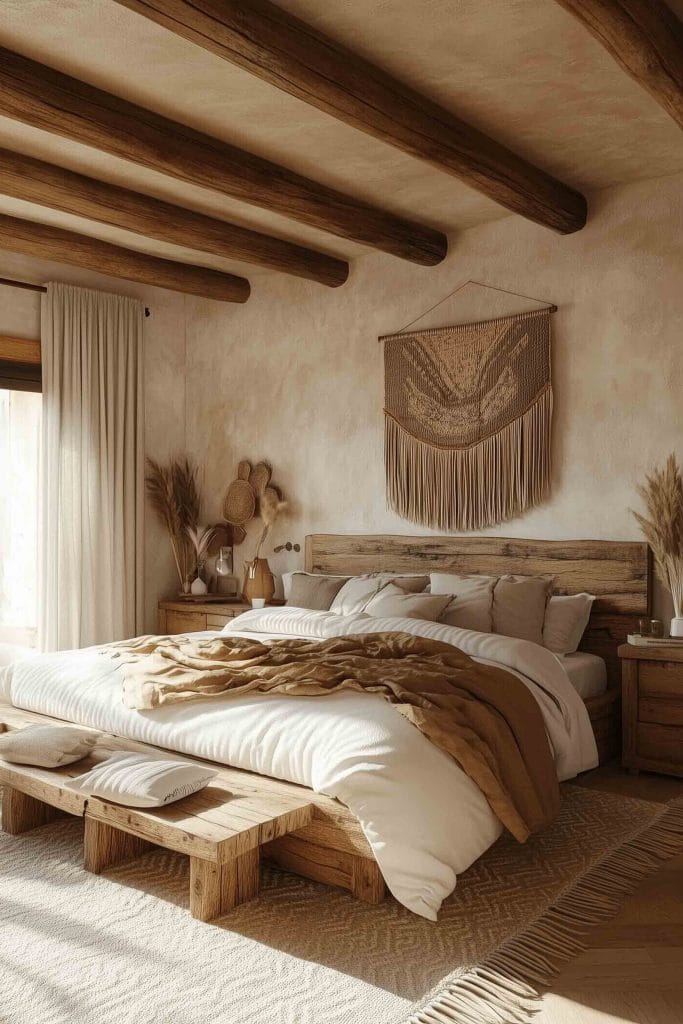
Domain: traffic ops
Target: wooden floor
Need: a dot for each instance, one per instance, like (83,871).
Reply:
(633,971)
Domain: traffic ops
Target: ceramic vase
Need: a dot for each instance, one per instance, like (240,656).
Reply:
(677,627)
(199,587)
(258,580)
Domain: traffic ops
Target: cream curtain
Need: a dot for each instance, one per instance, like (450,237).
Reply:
(90,568)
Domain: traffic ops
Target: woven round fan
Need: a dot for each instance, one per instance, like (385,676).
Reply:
(259,478)
(239,504)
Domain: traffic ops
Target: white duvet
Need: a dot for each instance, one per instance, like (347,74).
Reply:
(424,818)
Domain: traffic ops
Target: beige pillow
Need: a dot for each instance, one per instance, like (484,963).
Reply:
(141,780)
(519,604)
(392,602)
(315,592)
(566,618)
(356,592)
(47,746)
(472,599)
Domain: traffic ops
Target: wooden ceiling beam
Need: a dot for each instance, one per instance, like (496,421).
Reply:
(289,54)
(47,185)
(646,38)
(54,102)
(50,243)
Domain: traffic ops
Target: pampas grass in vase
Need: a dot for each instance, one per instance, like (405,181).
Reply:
(259,583)
(662,494)
(174,495)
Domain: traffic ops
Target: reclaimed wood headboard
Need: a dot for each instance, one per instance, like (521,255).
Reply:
(617,572)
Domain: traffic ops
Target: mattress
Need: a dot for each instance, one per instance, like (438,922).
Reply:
(587,673)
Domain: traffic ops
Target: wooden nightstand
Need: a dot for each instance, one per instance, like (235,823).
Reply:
(192,616)
(652,708)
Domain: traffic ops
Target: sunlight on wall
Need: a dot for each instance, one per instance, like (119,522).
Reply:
(19,451)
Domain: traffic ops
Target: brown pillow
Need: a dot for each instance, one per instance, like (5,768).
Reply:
(315,592)
(519,604)
(392,601)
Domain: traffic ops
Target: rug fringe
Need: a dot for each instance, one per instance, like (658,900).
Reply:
(505,988)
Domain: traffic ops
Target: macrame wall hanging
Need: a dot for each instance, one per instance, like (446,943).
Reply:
(468,412)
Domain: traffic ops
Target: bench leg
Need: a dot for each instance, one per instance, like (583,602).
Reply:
(216,888)
(21,812)
(367,883)
(104,846)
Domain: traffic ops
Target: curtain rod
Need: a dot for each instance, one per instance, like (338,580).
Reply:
(29,287)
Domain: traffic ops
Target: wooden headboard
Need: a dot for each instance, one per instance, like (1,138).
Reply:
(617,572)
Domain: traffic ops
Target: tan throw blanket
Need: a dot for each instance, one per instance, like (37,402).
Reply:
(484,717)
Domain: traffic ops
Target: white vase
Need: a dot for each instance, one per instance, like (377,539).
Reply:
(199,587)
(677,627)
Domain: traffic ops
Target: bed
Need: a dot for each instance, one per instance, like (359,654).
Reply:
(354,747)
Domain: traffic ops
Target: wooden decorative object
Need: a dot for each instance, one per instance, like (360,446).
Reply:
(223,828)
(617,572)
(50,243)
(54,102)
(646,38)
(652,708)
(47,185)
(293,56)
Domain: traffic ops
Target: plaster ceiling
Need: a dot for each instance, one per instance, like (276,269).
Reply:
(524,71)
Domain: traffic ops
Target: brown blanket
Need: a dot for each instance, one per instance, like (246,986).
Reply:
(484,717)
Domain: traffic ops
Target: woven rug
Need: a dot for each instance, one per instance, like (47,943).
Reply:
(122,947)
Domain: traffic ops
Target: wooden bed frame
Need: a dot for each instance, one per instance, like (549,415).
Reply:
(333,848)
(617,572)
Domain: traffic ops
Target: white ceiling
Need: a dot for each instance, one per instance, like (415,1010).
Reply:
(524,71)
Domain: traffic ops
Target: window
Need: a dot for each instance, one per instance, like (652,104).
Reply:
(20,412)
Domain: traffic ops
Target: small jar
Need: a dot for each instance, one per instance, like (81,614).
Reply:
(644,627)
(656,628)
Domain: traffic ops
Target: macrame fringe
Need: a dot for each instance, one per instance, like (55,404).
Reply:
(505,988)
(470,488)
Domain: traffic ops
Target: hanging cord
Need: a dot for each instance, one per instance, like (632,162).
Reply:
(552,308)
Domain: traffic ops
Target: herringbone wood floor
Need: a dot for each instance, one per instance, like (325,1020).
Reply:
(633,970)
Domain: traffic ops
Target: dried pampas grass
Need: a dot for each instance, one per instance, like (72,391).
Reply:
(271,506)
(174,495)
(662,526)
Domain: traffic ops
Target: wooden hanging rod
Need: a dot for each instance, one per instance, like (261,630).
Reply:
(30,287)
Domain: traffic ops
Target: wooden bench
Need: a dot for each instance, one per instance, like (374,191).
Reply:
(224,829)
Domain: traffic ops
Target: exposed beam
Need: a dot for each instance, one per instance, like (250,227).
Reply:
(54,102)
(288,53)
(60,189)
(20,350)
(50,243)
(646,38)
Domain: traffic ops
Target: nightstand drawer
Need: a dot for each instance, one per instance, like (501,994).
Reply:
(218,621)
(660,710)
(663,678)
(660,743)
(185,622)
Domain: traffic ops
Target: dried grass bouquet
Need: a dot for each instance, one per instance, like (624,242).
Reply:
(174,495)
(662,526)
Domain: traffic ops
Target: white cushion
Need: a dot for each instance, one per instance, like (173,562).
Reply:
(359,590)
(138,780)
(472,599)
(47,746)
(392,602)
(566,619)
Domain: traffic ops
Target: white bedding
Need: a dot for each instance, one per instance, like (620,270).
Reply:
(587,673)
(424,818)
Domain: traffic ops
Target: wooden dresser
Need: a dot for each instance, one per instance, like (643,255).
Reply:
(192,616)
(652,708)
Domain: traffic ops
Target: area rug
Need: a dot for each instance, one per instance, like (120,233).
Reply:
(82,949)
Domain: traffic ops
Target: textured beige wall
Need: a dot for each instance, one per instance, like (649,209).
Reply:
(295,376)
(164,379)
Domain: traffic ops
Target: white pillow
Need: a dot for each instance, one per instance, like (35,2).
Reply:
(392,602)
(359,590)
(566,619)
(47,746)
(138,780)
(472,600)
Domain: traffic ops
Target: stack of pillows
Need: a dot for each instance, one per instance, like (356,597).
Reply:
(516,606)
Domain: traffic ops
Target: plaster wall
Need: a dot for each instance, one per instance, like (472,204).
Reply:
(295,376)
